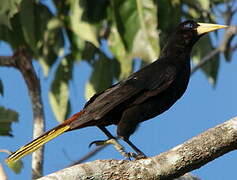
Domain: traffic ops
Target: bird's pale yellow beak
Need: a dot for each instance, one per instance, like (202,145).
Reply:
(206,28)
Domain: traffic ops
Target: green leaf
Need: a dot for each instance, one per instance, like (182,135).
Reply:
(16,166)
(94,11)
(125,14)
(50,41)
(8,9)
(169,15)
(89,51)
(27,19)
(83,29)
(146,41)
(59,94)
(202,48)
(136,23)
(134,34)
(117,48)
(211,69)
(102,76)
(205,4)
(15,36)
(1,88)
(7,117)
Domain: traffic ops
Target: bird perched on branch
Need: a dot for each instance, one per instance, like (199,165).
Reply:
(142,96)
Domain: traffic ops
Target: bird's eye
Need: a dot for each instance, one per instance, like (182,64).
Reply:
(189,26)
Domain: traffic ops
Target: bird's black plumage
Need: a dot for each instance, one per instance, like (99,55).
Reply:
(142,96)
(147,92)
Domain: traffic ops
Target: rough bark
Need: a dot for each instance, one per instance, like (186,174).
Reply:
(174,163)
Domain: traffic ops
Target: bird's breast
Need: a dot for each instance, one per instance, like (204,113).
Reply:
(164,100)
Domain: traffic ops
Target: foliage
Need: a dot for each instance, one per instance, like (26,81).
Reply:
(7,117)
(16,166)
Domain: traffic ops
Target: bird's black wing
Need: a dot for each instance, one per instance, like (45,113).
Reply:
(145,83)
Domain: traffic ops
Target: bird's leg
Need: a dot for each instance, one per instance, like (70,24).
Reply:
(139,154)
(127,126)
(112,140)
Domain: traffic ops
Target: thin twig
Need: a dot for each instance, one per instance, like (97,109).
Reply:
(88,155)
(5,151)
(207,58)
(7,61)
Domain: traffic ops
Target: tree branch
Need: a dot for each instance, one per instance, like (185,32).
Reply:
(179,160)
(7,61)
(23,62)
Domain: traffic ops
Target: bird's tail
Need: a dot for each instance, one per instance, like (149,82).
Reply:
(40,141)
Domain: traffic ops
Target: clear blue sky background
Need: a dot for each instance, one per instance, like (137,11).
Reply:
(201,107)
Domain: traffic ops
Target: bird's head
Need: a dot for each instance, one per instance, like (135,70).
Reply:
(186,34)
(190,31)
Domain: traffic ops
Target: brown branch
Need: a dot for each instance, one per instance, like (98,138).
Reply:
(24,65)
(23,62)
(7,61)
(179,160)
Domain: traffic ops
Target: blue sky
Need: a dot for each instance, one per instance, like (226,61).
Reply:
(201,107)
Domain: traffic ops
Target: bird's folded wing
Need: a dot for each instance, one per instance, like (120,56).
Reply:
(137,88)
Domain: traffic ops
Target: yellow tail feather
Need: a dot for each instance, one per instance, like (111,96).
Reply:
(36,144)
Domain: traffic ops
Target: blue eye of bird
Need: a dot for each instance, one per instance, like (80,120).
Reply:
(189,26)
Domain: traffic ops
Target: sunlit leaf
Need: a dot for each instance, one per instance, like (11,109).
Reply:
(136,24)
(16,166)
(50,41)
(59,94)
(81,28)
(7,117)
(146,42)
(205,4)
(117,48)
(8,9)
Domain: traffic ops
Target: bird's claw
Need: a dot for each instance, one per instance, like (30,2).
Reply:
(99,143)
(139,156)
(118,147)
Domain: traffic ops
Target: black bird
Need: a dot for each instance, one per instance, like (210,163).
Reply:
(142,96)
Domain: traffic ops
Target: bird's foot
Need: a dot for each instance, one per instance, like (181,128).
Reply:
(118,147)
(139,156)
